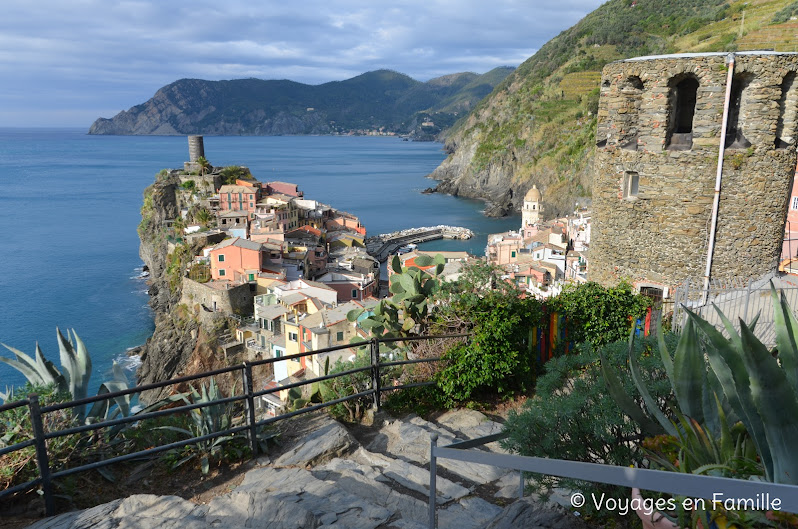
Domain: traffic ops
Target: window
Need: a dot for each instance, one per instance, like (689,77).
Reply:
(512,254)
(785,126)
(734,126)
(339,336)
(794,204)
(682,101)
(354,293)
(631,182)
(627,122)
(293,336)
(221,258)
(222,272)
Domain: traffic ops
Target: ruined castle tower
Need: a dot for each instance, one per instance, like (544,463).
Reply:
(658,141)
(196,148)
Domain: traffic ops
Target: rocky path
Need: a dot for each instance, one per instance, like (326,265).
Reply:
(328,479)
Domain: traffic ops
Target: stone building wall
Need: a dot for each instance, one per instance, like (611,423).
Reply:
(654,184)
(238,299)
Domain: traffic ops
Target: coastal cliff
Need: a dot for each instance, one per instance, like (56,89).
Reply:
(183,342)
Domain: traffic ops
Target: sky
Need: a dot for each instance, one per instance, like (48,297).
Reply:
(66,63)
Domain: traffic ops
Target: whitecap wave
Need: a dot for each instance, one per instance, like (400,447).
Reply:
(128,363)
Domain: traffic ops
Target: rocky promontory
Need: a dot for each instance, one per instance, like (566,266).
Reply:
(183,342)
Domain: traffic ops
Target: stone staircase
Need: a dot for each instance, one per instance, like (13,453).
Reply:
(329,479)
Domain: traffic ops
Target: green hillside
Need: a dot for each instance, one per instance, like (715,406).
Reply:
(379,100)
(538,125)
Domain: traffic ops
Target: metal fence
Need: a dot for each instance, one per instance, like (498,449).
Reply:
(709,488)
(247,421)
(737,299)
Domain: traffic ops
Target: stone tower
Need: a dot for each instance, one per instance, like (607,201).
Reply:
(659,136)
(532,210)
(196,148)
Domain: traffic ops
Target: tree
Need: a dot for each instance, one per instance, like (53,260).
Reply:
(203,216)
(203,164)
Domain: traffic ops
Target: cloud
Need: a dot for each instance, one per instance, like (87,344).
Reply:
(76,60)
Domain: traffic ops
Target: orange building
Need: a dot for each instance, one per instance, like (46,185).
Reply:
(237,260)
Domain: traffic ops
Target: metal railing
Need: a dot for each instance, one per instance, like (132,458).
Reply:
(737,299)
(250,423)
(743,492)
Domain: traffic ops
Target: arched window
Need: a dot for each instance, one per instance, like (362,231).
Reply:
(682,109)
(785,127)
(735,124)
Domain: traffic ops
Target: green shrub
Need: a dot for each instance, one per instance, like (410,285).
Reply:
(597,314)
(15,427)
(346,385)
(572,416)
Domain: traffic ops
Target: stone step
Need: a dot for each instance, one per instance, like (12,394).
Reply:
(468,513)
(284,498)
(145,511)
(365,482)
(471,424)
(370,484)
(411,476)
(409,440)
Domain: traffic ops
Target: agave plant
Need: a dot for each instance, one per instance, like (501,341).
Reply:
(718,381)
(74,379)
(205,421)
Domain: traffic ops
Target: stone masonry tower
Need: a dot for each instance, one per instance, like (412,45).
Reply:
(196,148)
(659,135)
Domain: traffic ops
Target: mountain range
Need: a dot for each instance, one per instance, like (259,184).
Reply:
(380,100)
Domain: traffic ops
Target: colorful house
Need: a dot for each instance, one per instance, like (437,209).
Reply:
(236,260)
(238,198)
(350,285)
(345,222)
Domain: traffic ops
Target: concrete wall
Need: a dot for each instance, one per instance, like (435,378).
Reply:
(660,236)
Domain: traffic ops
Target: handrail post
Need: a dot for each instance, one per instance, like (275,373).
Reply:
(375,371)
(250,411)
(42,459)
(433,478)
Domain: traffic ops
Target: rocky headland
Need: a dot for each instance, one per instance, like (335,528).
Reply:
(183,342)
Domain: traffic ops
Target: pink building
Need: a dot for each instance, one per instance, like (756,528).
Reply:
(790,246)
(236,260)
(283,188)
(504,248)
(350,286)
(238,198)
(345,222)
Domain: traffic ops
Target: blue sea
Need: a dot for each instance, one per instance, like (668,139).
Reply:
(69,207)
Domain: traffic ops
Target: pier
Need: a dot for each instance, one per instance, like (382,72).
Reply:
(381,246)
